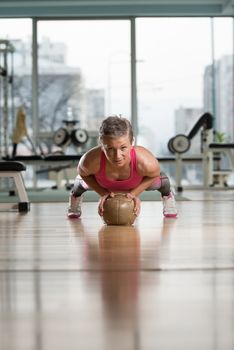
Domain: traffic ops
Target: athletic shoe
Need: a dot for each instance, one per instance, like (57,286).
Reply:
(74,208)
(169,206)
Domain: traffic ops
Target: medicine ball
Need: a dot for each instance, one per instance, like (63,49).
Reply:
(118,210)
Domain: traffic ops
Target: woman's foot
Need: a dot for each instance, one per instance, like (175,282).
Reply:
(169,206)
(74,207)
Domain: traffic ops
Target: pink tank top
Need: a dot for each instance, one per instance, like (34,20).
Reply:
(119,185)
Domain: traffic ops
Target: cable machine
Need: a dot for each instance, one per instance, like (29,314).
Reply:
(181,143)
(6,95)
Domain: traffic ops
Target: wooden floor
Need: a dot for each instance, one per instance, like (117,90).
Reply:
(163,284)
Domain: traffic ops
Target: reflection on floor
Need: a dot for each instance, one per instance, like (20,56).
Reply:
(162,284)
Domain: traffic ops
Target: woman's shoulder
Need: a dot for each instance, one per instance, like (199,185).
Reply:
(146,161)
(90,161)
(143,152)
(93,152)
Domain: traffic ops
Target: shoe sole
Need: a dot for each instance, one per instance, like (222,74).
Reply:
(170,215)
(73,216)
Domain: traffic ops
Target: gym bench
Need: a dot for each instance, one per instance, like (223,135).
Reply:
(12,169)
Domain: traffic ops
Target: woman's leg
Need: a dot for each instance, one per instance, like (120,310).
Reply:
(76,197)
(162,184)
(79,187)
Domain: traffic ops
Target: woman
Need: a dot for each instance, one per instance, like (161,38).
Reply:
(117,166)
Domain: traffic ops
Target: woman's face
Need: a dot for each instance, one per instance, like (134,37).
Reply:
(117,149)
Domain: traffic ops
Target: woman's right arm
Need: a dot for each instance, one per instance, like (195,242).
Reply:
(87,168)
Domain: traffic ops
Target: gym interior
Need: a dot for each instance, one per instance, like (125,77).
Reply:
(161,283)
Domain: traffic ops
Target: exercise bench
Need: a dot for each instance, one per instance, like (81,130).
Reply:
(13,169)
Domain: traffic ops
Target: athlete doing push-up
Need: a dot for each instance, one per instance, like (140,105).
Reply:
(116,165)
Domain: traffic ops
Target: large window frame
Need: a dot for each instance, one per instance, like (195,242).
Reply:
(134,59)
(35,74)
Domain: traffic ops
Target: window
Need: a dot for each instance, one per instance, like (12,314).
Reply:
(223,56)
(84,72)
(170,82)
(175,81)
(15,79)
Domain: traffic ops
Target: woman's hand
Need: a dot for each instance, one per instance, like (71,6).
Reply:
(137,203)
(102,200)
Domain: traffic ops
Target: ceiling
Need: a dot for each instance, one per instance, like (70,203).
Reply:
(115,8)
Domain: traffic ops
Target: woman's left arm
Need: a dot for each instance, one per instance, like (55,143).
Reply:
(146,182)
(148,167)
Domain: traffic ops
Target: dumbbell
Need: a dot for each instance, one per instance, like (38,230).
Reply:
(179,144)
(78,137)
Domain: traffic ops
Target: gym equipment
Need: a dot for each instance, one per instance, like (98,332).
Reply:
(6,94)
(57,163)
(180,144)
(118,210)
(63,137)
(79,137)
(12,169)
(221,149)
(20,131)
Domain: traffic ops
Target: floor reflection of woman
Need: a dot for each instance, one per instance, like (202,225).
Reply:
(119,249)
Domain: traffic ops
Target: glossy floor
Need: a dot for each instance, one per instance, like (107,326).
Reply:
(162,284)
